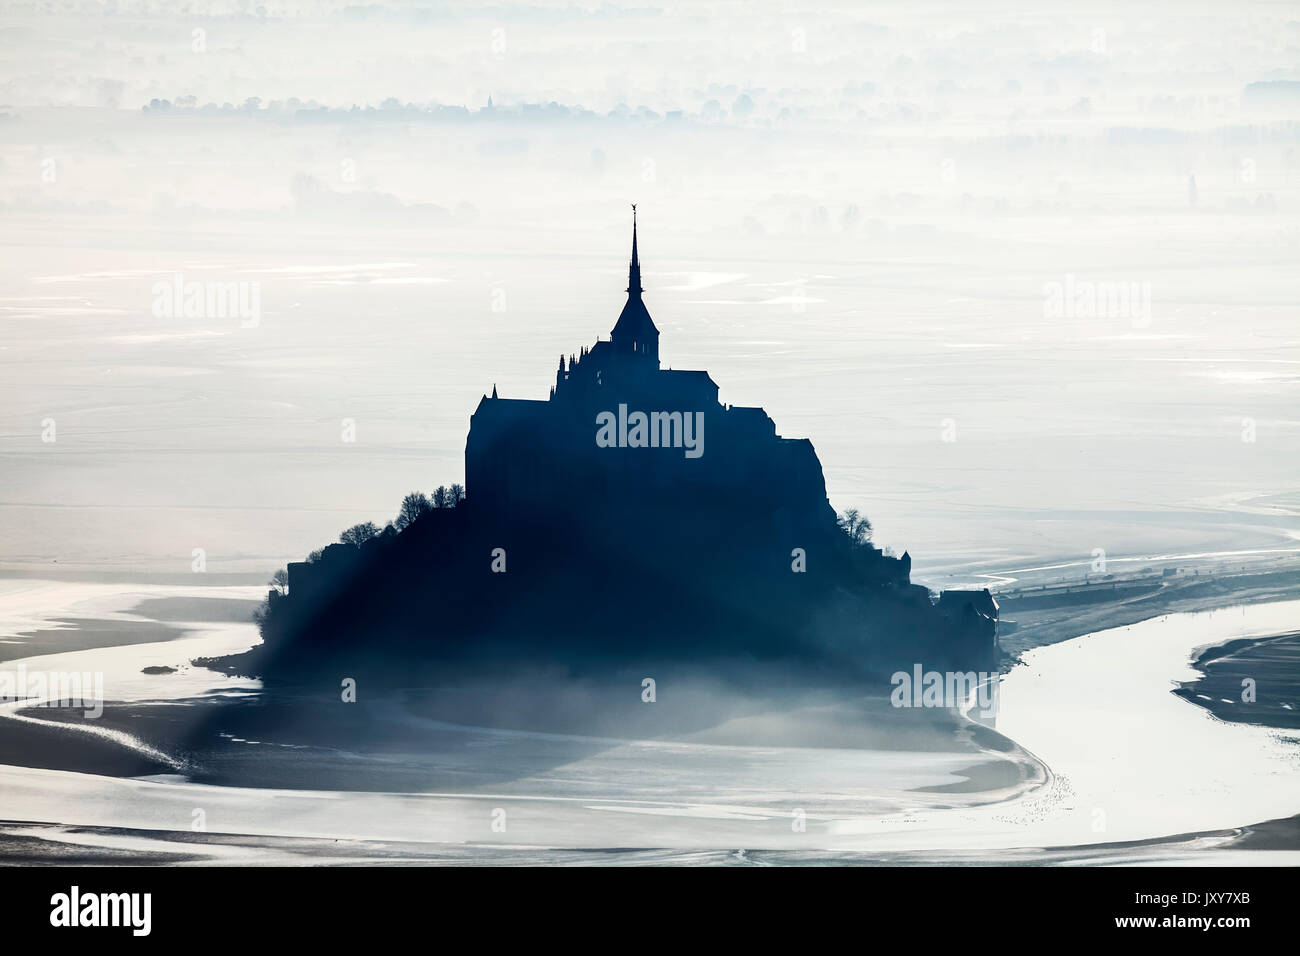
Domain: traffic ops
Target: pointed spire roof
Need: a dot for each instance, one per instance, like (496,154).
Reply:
(634,267)
(494,389)
(635,331)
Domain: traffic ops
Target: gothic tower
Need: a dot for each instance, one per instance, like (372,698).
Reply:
(634,333)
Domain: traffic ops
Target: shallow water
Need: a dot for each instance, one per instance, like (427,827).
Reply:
(1128,760)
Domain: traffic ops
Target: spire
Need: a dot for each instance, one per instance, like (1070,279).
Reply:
(494,390)
(634,268)
(634,333)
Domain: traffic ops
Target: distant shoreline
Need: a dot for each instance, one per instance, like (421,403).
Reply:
(1138,597)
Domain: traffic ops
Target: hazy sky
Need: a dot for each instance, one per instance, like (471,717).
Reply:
(857,217)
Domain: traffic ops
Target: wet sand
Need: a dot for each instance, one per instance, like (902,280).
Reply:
(82,634)
(1040,626)
(26,844)
(40,617)
(688,796)
(1271,664)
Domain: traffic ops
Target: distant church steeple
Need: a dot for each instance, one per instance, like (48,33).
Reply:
(635,332)
(634,268)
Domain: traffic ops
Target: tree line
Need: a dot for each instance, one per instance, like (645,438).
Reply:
(414,505)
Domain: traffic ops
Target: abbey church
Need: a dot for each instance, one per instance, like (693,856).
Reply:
(629,517)
(665,435)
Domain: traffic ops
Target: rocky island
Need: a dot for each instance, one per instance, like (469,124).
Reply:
(629,518)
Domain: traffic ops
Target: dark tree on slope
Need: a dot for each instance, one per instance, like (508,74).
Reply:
(359,534)
(413,505)
(855,524)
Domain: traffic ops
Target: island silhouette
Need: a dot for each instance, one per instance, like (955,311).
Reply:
(628,519)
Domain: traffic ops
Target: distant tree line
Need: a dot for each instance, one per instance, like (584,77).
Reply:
(413,506)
